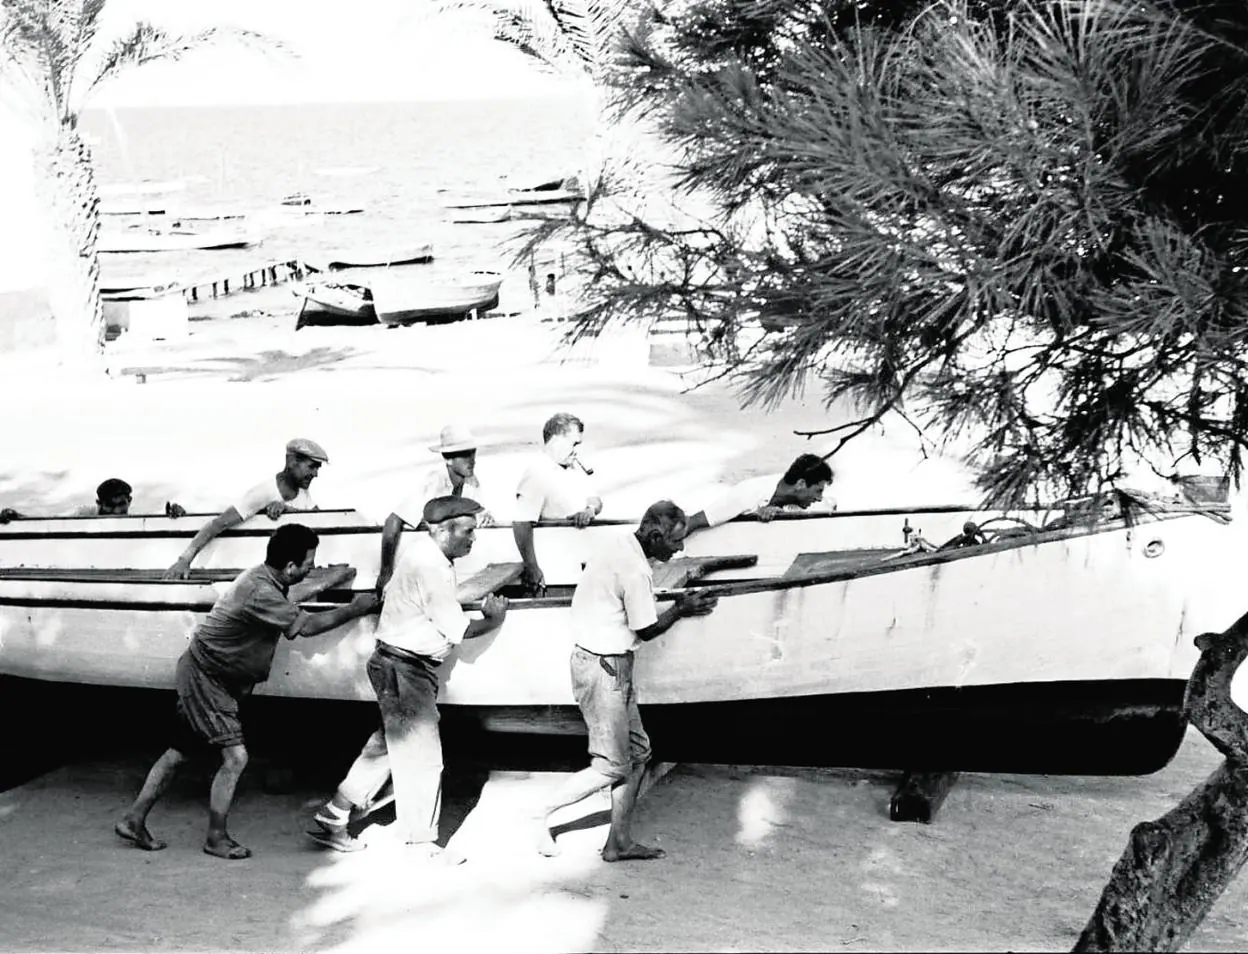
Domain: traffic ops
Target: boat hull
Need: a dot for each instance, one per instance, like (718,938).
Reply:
(1124,727)
(405,303)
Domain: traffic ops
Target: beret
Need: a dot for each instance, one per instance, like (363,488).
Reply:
(447,508)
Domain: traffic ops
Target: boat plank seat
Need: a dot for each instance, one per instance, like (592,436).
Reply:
(814,564)
(489,580)
(677,573)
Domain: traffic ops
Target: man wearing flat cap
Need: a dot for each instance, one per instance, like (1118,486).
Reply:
(420,625)
(284,492)
(455,476)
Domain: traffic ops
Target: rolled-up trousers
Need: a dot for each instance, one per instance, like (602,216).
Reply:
(407,747)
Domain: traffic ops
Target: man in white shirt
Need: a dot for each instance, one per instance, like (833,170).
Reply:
(614,612)
(284,492)
(799,487)
(420,625)
(456,476)
(555,486)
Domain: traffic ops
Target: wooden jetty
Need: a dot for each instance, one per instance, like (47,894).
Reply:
(217,284)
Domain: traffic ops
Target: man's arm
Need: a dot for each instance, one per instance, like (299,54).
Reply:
(697,522)
(361,605)
(390,534)
(493,612)
(215,526)
(335,575)
(696,603)
(522,531)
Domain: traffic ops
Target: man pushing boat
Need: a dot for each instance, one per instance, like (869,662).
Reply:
(613,612)
(554,486)
(284,492)
(230,652)
(420,625)
(800,487)
(456,476)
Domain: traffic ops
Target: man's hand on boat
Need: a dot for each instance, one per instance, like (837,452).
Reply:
(766,513)
(582,518)
(174,510)
(533,581)
(365,603)
(275,509)
(696,603)
(494,607)
(179,571)
(7,514)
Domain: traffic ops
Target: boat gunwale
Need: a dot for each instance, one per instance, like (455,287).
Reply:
(725,588)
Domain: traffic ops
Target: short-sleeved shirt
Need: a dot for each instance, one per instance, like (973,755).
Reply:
(614,598)
(267,492)
(548,491)
(237,639)
(420,612)
(748,496)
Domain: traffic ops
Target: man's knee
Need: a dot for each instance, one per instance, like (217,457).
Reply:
(234,757)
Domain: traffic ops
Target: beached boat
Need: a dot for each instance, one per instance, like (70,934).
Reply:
(302,202)
(484,216)
(147,239)
(133,205)
(405,300)
(373,257)
(335,303)
(1062,648)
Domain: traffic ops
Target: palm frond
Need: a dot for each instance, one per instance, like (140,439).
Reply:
(146,43)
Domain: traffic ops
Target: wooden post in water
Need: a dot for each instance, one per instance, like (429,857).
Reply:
(1175,868)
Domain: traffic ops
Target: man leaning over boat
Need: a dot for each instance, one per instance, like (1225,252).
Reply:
(798,488)
(420,625)
(555,486)
(613,612)
(284,492)
(455,476)
(231,652)
(113,498)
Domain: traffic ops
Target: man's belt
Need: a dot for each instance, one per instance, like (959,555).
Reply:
(405,655)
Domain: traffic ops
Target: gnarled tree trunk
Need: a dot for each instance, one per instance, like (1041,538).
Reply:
(71,203)
(1175,869)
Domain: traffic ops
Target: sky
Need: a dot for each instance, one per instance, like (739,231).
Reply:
(361,50)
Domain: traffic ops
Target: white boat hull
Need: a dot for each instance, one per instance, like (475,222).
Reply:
(1106,617)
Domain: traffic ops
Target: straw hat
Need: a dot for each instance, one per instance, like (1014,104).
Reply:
(454,439)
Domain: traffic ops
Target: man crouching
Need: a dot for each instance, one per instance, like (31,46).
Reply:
(614,612)
(231,651)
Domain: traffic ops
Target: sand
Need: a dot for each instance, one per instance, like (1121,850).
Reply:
(760,859)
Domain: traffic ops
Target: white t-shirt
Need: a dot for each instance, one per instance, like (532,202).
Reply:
(615,597)
(263,494)
(748,496)
(548,491)
(420,612)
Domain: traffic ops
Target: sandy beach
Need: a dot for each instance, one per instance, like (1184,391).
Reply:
(759,858)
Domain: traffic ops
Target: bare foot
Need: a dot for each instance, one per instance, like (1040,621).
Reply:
(633,852)
(546,845)
(138,835)
(226,847)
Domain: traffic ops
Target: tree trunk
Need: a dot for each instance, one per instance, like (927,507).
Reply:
(71,204)
(1174,869)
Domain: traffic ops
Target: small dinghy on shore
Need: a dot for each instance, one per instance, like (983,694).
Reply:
(335,303)
(375,256)
(1031,643)
(410,300)
(146,239)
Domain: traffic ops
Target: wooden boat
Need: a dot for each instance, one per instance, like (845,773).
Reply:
(1059,648)
(146,239)
(373,257)
(207,213)
(558,192)
(133,205)
(485,216)
(302,202)
(335,303)
(407,300)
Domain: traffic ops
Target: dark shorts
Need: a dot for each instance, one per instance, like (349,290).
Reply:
(208,713)
(603,687)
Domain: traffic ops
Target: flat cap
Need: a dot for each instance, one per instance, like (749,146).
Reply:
(447,508)
(306,448)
